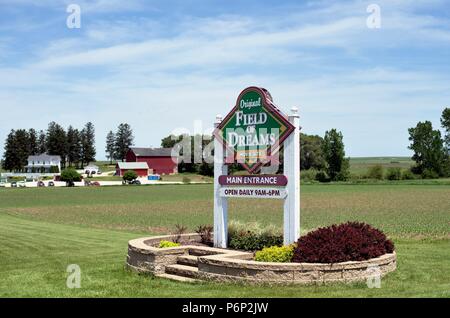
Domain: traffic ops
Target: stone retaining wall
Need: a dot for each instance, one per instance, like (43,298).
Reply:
(229,265)
(144,257)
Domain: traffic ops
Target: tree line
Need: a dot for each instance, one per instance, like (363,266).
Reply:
(118,143)
(75,147)
(431,149)
(431,152)
(325,154)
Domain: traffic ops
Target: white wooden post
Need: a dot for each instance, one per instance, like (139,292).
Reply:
(220,203)
(292,172)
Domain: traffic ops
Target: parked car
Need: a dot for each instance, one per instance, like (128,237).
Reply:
(95,183)
(14,184)
(70,184)
(51,184)
(41,184)
(136,182)
(21,184)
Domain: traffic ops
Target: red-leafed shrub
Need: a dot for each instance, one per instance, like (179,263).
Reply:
(350,241)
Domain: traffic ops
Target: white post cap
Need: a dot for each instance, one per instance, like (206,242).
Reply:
(294,112)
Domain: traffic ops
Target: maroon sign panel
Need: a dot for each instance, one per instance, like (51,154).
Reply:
(257,180)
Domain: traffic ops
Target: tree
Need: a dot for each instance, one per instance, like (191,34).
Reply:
(375,172)
(88,151)
(110,146)
(333,149)
(130,175)
(190,150)
(428,147)
(206,169)
(311,152)
(124,140)
(17,150)
(10,156)
(21,148)
(42,142)
(56,142)
(170,141)
(445,122)
(73,146)
(70,175)
(33,148)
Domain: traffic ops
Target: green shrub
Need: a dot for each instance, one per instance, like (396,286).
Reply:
(394,173)
(356,176)
(408,175)
(344,174)
(416,169)
(130,175)
(166,244)
(280,254)
(429,174)
(308,175)
(70,175)
(322,176)
(11,179)
(375,172)
(251,237)
(206,169)
(54,169)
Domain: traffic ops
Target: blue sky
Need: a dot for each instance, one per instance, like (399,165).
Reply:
(162,65)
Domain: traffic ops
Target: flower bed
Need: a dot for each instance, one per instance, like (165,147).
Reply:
(231,265)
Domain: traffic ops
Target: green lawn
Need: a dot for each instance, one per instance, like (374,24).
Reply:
(44,230)
(105,166)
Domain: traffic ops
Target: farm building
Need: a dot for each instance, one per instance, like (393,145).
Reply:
(43,163)
(159,160)
(91,169)
(141,168)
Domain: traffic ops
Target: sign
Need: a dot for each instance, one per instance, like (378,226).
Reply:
(253,133)
(257,180)
(254,130)
(253,192)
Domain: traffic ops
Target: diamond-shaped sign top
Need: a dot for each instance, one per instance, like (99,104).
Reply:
(255,128)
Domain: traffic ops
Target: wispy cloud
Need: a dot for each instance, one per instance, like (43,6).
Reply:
(169,70)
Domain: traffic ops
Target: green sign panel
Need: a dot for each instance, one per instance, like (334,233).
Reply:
(255,129)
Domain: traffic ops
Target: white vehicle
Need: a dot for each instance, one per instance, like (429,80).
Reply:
(21,184)
(2,184)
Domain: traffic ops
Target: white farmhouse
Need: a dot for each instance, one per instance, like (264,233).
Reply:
(43,163)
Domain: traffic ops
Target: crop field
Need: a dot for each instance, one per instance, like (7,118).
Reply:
(360,165)
(44,230)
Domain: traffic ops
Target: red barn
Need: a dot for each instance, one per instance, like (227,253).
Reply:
(159,160)
(141,168)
